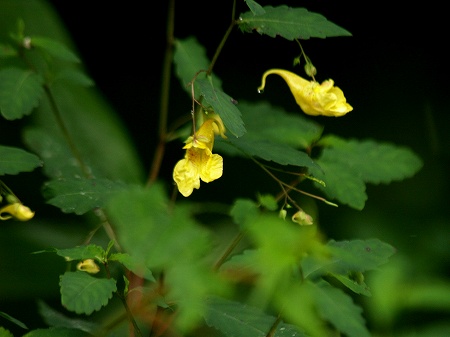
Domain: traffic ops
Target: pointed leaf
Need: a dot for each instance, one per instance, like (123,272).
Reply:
(358,288)
(267,150)
(374,162)
(256,8)
(74,76)
(290,23)
(237,319)
(223,105)
(83,293)
(54,48)
(190,59)
(13,320)
(20,92)
(82,253)
(338,308)
(14,160)
(80,195)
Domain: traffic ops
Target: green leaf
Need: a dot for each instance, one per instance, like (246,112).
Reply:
(236,319)
(265,121)
(56,319)
(14,160)
(256,8)
(54,48)
(223,105)
(243,212)
(374,162)
(290,23)
(357,287)
(74,76)
(83,293)
(5,333)
(13,320)
(80,195)
(267,150)
(338,308)
(20,92)
(132,264)
(82,253)
(56,332)
(190,59)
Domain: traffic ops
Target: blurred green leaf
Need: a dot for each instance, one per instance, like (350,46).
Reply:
(290,23)
(80,195)
(20,92)
(132,264)
(356,287)
(54,48)
(56,332)
(7,51)
(190,58)
(5,333)
(82,253)
(339,309)
(236,319)
(83,293)
(74,76)
(223,105)
(243,212)
(12,319)
(14,160)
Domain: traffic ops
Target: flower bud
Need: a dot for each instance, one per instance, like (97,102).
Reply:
(302,218)
(89,266)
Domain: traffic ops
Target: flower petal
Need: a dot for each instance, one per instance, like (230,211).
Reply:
(212,168)
(186,176)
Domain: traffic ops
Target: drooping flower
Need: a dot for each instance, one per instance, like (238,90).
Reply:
(16,210)
(89,266)
(199,161)
(313,98)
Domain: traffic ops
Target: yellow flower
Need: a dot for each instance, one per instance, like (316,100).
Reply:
(89,266)
(18,211)
(313,98)
(199,161)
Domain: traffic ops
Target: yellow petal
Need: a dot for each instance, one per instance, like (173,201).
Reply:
(186,176)
(18,211)
(212,168)
(89,266)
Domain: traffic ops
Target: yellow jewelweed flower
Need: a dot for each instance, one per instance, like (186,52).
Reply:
(199,161)
(16,210)
(313,98)
(89,266)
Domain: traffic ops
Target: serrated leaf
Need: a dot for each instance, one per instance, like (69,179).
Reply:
(265,121)
(56,332)
(267,150)
(290,23)
(54,48)
(13,320)
(56,319)
(83,293)
(340,183)
(80,195)
(374,162)
(14,160)
(237,319)
(82,253)
(190,58)
(20,92)
(223,105)
(338,308)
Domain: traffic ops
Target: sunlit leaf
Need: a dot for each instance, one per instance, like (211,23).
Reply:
(54,48)
(83,293)
(20,92)
(237,319)
(290,23)
(14,160)
(80,195)
(339,309)
(223,105)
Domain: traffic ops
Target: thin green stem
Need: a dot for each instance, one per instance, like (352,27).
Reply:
(229,250)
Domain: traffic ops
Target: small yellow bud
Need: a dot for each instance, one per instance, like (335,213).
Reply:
(18,211)
(89,266)
(302,218)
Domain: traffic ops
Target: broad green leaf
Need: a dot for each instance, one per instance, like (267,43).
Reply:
(132,264)
(341,183)
(237,319)
(20,92)
(82,253)
(54,48)
(374,162)
(14,160)
(256,8)
(58,160)
(339,309)
(83,293)
(267,150)
(56,332)
(265,121)
(57,319)
(13,320)
(5,333)
(223,105)
(290,23)
(190,61)
(80,195)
